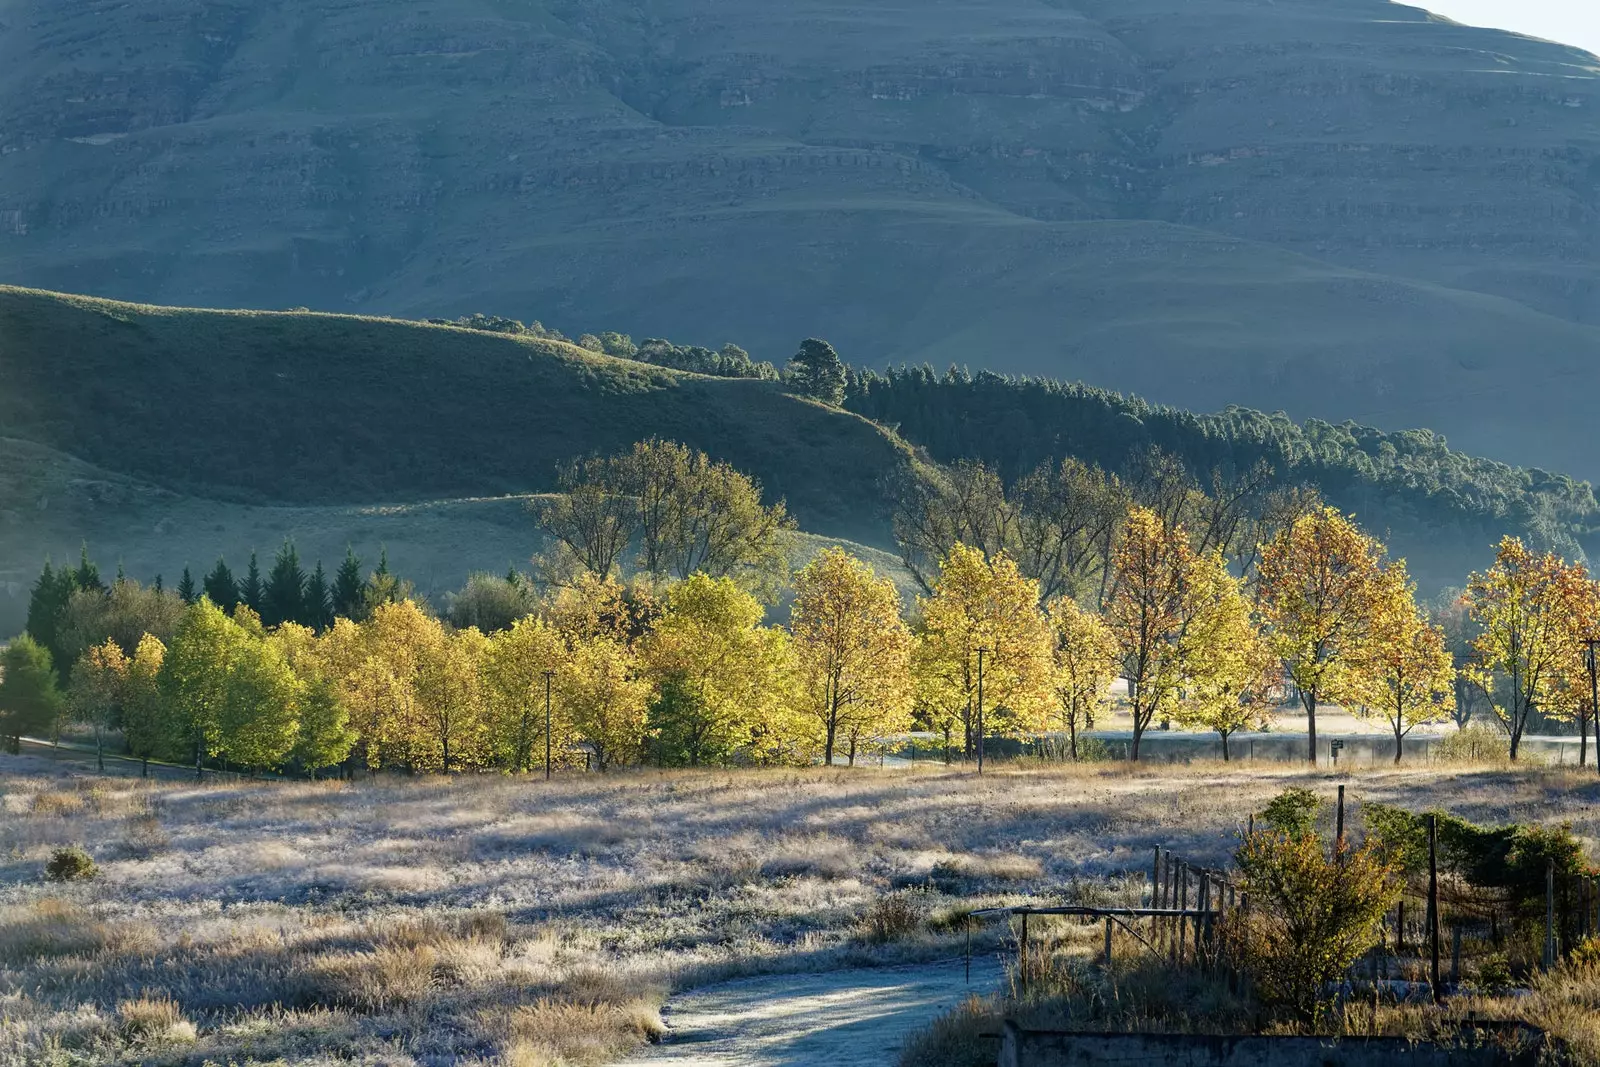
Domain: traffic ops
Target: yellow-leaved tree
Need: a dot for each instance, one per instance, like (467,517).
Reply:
(1320,584)
(1412,675)
(1086,663)
(982,604)
(852,650)
(1228,670)
(95,692)
(1534,611)
(1148,611)
(520,666)
(144,726)
(453,727)
(721,677)
(606,697)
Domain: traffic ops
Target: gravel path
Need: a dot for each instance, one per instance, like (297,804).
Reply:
(856,1018)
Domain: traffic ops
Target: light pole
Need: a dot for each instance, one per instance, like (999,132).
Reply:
(547,676)
(981,652)
(1594,711)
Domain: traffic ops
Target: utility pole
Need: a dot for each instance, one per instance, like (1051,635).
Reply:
(547,676)
(981,651)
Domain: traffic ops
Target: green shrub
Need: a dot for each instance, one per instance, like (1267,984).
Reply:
(70,864)
(1293,812)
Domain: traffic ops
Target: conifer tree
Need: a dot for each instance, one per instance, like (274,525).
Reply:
(186,587)
(220,587)
(283,596)
(316,611)
(47,603)
(817,371)
(88,576)
(348,602)
(252,589)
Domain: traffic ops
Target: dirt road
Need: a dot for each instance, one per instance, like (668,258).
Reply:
(856,1018)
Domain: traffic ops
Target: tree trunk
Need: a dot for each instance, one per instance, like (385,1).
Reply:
(947,744)
(852,750)
(99,747)
(1399,744)
(1225,757)
(199,765)
(1310,701)
(827,750)
(1072,733)
(144,766)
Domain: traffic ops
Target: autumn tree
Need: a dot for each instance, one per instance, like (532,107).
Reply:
(982,604)
(606,698)
(454,728)
(30,701)
(95,692)
(518,664)
(1086,662)
(1534,611)
(145,730)
(718,671)
(1227,668)
(1320,585)
(258,721)
(1148,610)
(1412,675)
(852,649)
(594,517)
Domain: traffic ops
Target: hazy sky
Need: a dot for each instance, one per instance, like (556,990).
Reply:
(1568,21)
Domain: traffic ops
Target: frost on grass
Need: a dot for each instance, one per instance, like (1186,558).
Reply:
(495,920)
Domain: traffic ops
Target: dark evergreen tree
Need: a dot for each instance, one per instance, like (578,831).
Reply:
(88,576)
(186,587)
(157,586)
(46,603)
(817,371)
(348,602)
(283,597)
(221,588)
(251,589)
(317,611)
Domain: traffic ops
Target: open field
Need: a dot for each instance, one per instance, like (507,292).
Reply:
(505,920)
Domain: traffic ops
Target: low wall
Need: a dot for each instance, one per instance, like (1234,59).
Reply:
(1055,1048)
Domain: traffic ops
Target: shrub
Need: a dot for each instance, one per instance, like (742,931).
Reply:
(1311,915)
(1475,744)
(70,864)
(153,1021)
(891,918)
(1293,812)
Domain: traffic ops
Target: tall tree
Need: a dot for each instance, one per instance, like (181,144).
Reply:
(606,698)
(186,587)
(1149,609)
(594,517)
(30,701)
(348,602)
(251,589)
(450,693)
(517,667)
(1413,674)
(1319,588)
(221,589)
(284,595)
(852,649)
(1534,611)
(259,720)
(317,610)
(194,679)
(1227,668)
(96,691)
(720,672)
(1086,662)
(46,604)
(88,576)
(817,371)
(144,726)
(982,604)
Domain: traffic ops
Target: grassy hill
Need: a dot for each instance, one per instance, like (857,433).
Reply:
(165,436)
(1337,208)
(298,409)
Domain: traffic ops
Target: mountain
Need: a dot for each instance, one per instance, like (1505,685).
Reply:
(1338,208)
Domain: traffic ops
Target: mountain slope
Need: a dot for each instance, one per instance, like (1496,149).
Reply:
(1340,208)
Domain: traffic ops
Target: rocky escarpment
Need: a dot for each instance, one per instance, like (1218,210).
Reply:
(1342,208)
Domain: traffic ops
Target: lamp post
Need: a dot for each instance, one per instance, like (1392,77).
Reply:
(547,676)
(1594,711)
(981,652)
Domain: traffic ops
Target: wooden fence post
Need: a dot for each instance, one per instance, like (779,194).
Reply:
(1550,914)
(1433,906)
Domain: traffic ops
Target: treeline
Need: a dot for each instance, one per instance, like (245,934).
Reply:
(1409,480)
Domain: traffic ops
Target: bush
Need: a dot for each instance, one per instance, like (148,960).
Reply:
(1311,916)
(891,918)
(70,864)
(1475,744)
(1293,812)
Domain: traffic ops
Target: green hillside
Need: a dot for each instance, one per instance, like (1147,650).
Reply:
(294,409)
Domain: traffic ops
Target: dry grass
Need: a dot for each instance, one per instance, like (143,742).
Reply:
(503,920)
